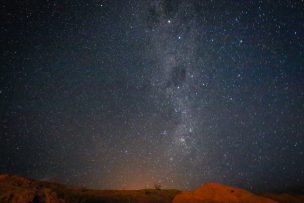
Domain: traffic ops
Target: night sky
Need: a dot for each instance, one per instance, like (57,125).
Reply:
(123,94)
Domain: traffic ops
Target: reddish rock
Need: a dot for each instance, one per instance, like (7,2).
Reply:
(218,193)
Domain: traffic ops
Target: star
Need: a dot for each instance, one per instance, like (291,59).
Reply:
(186,91)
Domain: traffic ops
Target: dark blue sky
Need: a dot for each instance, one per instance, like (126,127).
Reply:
(126,94)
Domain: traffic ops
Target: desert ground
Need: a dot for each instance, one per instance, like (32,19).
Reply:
(16,189)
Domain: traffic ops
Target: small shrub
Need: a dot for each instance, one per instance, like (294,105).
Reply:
(157,186)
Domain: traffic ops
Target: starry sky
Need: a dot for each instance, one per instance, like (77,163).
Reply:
(126,94)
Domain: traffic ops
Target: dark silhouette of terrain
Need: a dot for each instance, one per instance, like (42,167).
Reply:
(16,189)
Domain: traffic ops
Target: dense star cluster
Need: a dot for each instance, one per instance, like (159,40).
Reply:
(125,94)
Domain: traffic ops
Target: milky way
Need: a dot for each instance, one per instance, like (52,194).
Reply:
(128,94)
(174,72)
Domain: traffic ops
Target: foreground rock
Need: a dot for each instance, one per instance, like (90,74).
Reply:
(217,193)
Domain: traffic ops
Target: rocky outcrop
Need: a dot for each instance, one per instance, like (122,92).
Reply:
(218,193)
(15,189)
